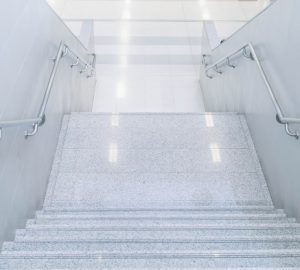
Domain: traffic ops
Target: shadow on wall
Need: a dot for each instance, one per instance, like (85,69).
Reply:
(31,38)
(242,89)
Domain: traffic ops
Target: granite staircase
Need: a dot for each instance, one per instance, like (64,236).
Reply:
(156,191)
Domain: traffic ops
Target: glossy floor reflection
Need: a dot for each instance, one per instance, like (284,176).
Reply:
(149,51)
(148,67)
(135,160)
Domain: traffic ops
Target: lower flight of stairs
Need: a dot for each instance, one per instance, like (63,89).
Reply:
(236,237)
(156,191)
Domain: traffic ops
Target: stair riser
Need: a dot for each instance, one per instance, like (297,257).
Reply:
(160,216)
(160,263)
(144,247)
(143,222)
(164,212)
(190,234)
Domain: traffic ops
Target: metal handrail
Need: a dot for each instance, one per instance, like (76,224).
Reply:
(63,51)
(248,51)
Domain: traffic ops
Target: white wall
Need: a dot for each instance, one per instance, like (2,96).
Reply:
(161,10)
(30,36)
(57,5)
(275,35)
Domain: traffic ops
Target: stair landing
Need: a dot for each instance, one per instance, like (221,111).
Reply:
(155,161)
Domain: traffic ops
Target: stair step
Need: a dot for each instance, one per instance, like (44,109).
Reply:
(222,208)
(44,223)
(163,215)
(197,227)
(127,245)
(191,232)
(188,213)
(174,268)
(180,259)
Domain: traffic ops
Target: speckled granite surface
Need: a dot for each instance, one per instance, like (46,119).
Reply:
(156,159)
(156,191)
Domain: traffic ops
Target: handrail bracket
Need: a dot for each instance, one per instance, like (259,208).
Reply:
(31,133)
(218,70)
(294,134)
(248,55)
(229,63)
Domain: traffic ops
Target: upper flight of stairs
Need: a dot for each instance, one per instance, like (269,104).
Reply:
(156,191)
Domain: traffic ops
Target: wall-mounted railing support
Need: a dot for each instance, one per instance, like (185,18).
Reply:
(204,61)
(294,134)
(84,69)
(35,123)
(217,70)
(65,51)
(76,63)
(207,75)
(93,65)
(249,52)
(34,130)
(229,63)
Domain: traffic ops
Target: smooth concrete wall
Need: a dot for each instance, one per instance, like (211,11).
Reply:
(275,35)
(30,36)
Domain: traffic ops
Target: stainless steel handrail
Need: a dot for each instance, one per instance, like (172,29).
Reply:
(64,50)
(248,51)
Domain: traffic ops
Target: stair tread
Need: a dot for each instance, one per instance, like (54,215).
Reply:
(241,253)
(174,268)
(164,227)
(211,207)
(165,240)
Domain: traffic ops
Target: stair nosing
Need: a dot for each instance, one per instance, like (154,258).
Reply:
(163,227)
(170,240)
(140,255)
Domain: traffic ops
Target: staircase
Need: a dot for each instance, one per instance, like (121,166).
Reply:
(156,191)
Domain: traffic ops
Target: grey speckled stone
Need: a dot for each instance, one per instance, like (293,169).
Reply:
(223,207)
(134,245)
(156,191)
(57,160)
(158,260)
(159,219)
(131,213)
(159,159)
(156,160)
(171,232)
(136,189)
(141,223)
(165,268)
(154,120)
(155,130)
